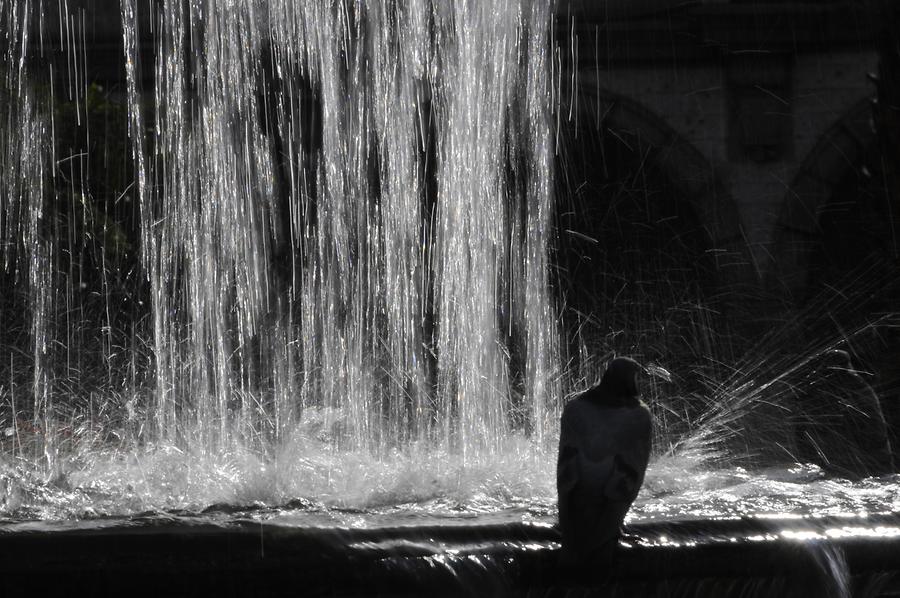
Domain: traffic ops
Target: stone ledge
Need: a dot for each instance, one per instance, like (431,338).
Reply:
(194,556)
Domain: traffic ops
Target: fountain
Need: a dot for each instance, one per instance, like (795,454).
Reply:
(295,287)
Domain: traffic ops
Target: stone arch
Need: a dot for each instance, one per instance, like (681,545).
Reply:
(689,171)
(798,234)
(836,246)
(650,256)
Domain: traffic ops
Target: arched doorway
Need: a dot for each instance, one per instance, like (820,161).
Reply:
(836,215)
(838,248)
(649,246)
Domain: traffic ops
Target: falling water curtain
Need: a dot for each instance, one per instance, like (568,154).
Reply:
(339,206)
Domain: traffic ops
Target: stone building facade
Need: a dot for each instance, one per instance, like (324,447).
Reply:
(759,110)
